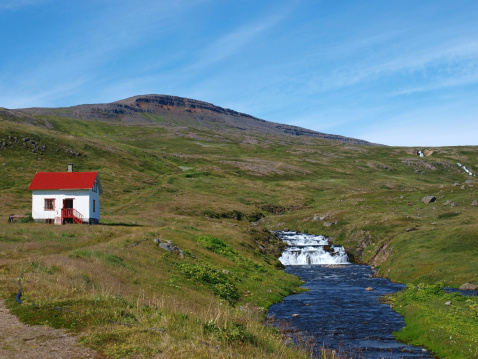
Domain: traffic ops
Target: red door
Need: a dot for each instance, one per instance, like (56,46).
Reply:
(67,210)
(68,203)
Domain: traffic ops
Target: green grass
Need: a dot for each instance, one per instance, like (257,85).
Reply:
(216,197)
(447,330)
(106,257)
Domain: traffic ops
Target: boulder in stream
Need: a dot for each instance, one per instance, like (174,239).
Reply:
(468,286)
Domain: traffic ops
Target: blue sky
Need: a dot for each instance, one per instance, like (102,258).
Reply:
(400,73)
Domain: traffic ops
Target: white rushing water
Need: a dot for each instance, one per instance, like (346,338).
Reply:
(466,169)
(304,249)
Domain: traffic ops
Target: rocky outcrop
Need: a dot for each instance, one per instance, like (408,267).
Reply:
(168,246)
(382,254)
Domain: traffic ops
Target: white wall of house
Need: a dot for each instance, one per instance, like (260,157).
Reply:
(82,202)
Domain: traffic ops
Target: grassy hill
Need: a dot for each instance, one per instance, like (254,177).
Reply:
(216,193)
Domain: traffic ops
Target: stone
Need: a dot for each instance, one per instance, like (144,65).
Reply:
(225,271)
(474,203)
(468,286)
(448,303)
(450,203)
(369,289)
(463,187)
(456,184)
(429,199)
(169,247)
(295,315)
(166,246)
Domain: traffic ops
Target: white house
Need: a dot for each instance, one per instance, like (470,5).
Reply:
(66,197)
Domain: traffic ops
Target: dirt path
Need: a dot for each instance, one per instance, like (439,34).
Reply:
(18,340)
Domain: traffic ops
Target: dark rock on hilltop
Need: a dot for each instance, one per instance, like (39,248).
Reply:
(172,111)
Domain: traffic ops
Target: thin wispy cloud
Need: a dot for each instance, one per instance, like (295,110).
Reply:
(465,79)
(348,68)
(235,41)
(424,125)
(16,4)
(454,57)
(21,99)
(85,54)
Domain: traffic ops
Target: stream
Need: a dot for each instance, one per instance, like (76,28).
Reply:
(337,312)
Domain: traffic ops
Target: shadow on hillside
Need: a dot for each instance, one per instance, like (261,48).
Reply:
(120,224)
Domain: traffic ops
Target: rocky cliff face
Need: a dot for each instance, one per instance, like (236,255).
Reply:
(165,110)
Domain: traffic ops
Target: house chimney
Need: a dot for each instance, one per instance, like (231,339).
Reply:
(70,167)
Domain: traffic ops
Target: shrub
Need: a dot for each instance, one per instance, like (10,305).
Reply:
(217,246)
(217,281)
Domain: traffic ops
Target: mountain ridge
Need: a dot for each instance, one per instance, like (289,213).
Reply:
(167,110)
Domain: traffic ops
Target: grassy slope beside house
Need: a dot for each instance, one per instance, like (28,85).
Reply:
(215,195)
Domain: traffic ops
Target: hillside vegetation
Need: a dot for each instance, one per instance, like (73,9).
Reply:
(216,194)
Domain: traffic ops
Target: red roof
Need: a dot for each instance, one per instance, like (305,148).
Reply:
(63,180)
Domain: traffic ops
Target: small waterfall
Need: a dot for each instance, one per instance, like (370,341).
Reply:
(305,249)
(466,169)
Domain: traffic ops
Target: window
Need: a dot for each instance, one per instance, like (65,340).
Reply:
(49,204)
(94,206)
